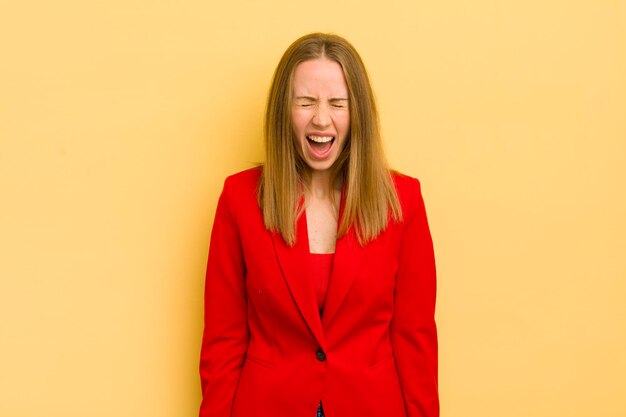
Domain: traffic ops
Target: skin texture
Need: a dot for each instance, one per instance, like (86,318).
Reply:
(320,108)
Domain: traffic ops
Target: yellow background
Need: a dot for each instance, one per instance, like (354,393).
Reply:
(119,121)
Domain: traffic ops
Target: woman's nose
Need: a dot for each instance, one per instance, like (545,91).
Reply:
(322,115)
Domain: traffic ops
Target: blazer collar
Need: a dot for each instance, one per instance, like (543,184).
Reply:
(294,262)
(345,266)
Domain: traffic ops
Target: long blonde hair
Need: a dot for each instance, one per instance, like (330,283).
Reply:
(370,196)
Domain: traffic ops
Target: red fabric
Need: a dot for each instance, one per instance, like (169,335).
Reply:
(321,267)
(266,352)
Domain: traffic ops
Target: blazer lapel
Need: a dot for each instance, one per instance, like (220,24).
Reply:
(294,263)
(345,267)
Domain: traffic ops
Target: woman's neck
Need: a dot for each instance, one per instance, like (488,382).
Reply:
(319,185)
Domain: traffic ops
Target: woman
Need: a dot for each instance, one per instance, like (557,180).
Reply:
(320,285)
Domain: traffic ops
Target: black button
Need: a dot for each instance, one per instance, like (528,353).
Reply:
(321,356)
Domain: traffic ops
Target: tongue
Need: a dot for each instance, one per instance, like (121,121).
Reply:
(321,147)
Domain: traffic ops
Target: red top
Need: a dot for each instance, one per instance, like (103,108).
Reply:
(321,268)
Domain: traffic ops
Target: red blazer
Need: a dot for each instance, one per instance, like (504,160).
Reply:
(266,352)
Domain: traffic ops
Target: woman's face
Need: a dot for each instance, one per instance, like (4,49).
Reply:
(319,112)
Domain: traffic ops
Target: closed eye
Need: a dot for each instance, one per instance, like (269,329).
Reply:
(339,103)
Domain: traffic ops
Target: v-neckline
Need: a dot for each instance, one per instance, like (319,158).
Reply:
(306,222)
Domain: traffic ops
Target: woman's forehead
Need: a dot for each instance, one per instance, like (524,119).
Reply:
(319,76)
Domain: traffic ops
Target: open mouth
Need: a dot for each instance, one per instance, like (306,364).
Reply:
(320,145)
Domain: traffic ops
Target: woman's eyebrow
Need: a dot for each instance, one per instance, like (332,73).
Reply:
(314,99)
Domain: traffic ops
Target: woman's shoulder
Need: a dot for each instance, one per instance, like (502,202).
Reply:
(405,184)
(240,189)
(248,178)
(409,191)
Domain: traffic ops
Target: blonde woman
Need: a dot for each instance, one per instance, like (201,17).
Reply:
(320,284)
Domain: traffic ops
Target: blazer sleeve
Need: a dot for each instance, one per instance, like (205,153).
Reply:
(413,329)
(225,337)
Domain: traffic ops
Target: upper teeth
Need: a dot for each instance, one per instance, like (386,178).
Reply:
(320,139)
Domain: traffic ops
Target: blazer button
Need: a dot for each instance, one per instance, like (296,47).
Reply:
(321,356)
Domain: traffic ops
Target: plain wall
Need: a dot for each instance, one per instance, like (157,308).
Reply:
(119,121)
